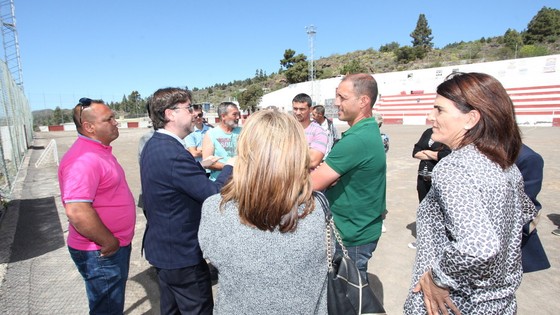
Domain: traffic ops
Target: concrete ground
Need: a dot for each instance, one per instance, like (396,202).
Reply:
(38,277)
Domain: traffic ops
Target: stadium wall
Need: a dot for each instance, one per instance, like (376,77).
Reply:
(406,97)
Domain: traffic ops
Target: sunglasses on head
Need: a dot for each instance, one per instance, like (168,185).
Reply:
(83,103)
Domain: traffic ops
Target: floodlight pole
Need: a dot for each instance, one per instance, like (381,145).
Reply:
(311,31)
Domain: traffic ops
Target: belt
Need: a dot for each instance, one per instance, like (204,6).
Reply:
(426,176)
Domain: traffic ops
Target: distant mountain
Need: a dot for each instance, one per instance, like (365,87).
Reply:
(42,113)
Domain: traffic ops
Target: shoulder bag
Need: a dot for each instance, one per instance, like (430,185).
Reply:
(347,292)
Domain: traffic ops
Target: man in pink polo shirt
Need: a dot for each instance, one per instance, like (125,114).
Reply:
(316,136)
(100,207)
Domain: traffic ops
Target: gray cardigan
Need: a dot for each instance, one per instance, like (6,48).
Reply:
(263,272)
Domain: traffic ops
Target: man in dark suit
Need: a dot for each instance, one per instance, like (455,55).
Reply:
(174,186)
(531,164)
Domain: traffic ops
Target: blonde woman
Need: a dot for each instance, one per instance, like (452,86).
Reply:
(265,233)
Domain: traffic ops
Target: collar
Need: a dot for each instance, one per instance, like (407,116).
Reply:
(169,133)
(95,142)
(325,122)
(88,138)
(360,124)
(204,128)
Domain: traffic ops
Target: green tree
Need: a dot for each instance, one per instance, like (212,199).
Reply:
(392,46)
(533,51)
(544,27)
(513,39)
(67,115)
(288,60)
(407,54)
(250,97)
(297,73)
(422,35)
(135,104)
(296,67)
(354,66)
(123,106)
(58,116)
(260,75)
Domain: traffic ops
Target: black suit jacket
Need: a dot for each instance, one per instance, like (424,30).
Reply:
(174,186)
(531,164)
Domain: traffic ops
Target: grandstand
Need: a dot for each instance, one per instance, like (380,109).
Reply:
(406,97)
(534,105)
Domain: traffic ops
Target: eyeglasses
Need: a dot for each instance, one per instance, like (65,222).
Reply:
(189,108)
(83,103)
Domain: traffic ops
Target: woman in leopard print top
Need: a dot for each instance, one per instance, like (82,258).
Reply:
(469,225)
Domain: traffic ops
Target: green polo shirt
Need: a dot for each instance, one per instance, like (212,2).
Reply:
(358,198)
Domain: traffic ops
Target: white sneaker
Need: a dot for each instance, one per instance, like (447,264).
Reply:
(412,245)
(383,228)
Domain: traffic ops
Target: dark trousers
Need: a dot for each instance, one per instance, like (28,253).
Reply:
(422,186)
(186,290)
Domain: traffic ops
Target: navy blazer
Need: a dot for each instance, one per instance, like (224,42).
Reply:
(174,186)
(531,164)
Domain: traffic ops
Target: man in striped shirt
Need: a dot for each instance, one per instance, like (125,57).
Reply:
(316,136)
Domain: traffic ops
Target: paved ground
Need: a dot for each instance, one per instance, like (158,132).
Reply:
(38,277)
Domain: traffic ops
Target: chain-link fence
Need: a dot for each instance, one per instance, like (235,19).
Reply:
(16,129)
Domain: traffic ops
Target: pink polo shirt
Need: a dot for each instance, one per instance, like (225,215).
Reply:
(89,172)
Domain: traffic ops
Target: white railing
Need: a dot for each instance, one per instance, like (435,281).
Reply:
(45,156)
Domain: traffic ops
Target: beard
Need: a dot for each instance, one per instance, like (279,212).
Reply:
(189,128)
(232,123)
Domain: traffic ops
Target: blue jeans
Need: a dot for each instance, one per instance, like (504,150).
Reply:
(360,255)
(105,278)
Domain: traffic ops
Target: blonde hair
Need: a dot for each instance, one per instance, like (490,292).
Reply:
(270,177)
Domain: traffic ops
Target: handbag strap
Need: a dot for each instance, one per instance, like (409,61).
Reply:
(330,228)
(324,204)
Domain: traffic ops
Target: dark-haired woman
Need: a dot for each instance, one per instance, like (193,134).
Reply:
(469,225)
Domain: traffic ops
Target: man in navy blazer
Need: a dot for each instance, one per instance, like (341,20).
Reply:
(531,164)
(174,186)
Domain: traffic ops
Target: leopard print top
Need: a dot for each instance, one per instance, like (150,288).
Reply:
(469,233)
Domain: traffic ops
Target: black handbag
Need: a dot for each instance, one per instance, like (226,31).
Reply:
(347,292)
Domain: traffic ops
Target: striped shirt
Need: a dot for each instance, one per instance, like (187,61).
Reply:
(316,137)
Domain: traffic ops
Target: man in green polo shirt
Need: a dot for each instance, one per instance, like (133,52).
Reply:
(357,166)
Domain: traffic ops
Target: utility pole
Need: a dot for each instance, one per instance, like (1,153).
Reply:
(311,31)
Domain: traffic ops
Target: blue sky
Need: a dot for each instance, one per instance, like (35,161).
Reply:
(109,48)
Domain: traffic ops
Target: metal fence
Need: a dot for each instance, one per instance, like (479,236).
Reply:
(16,129)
